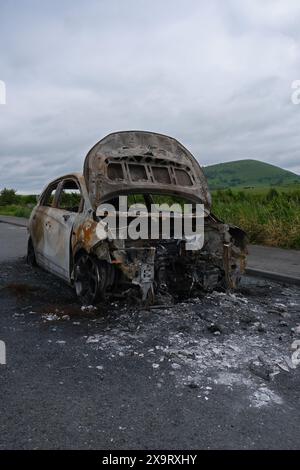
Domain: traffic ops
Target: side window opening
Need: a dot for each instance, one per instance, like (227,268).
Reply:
(70,198)
(49,196)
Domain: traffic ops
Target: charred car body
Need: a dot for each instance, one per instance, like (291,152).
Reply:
(63,236)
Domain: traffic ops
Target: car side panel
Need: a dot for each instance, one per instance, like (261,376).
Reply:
(51,231)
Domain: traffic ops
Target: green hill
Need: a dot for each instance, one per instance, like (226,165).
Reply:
(248,173)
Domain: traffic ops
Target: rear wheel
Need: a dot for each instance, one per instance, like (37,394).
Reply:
(90,276)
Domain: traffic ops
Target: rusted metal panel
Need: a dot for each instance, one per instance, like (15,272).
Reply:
(140,155)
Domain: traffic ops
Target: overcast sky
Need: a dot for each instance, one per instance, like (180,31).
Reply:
(216,75)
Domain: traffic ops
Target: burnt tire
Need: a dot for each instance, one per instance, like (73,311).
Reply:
(90,278)
(31,260)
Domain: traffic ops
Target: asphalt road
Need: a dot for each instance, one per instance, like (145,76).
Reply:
(13,241)
(275,260)
(215,372)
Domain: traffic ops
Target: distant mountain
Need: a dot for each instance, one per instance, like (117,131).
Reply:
(248,173)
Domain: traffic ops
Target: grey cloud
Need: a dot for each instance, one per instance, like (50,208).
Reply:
(216,75)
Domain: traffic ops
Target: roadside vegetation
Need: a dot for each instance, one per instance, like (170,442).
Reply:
(270,216)
(15,204)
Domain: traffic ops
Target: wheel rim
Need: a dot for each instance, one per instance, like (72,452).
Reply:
(87,279)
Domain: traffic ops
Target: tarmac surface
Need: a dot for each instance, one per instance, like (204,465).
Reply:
(216,372)
(283,264)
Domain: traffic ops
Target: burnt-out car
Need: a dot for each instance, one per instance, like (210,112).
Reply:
(69,237)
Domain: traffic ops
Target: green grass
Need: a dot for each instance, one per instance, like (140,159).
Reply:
(270,217)
(15,204)
(248,174)
(16,210)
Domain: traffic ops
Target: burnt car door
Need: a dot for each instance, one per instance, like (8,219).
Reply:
(52,222)
(58,227)
(41,224)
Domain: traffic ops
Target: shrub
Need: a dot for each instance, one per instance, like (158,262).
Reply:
(8,196)
(271,218)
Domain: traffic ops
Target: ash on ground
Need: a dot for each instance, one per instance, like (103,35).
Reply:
(244,339)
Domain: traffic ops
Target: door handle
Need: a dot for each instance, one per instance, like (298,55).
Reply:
(66,217)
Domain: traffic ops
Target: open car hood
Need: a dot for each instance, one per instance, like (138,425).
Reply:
(138,161)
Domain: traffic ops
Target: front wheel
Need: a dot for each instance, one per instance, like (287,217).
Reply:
(89,279)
